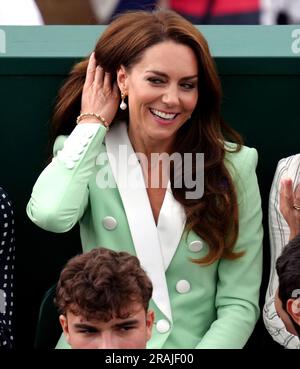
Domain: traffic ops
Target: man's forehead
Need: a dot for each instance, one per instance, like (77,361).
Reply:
(130,312)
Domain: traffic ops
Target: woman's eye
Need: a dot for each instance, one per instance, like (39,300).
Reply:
(156,81)
(188,86)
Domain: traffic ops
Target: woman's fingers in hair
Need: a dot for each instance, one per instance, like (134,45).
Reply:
(107,82)
(103,80)
(99,95)
(90,72)
(99,76)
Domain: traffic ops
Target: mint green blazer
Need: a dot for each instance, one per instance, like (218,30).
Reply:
(195,306)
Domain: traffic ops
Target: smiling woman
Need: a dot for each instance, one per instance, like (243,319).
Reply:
(202,253)
(162,95)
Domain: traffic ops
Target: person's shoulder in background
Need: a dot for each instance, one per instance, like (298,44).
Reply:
(7,260)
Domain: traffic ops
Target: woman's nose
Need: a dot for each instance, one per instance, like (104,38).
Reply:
(171,97)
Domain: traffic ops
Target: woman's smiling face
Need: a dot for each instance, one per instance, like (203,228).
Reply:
(162,90)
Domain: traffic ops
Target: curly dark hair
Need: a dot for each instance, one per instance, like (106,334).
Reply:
(288,270)
(102,284)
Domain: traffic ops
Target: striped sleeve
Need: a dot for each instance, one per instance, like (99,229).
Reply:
(279,236)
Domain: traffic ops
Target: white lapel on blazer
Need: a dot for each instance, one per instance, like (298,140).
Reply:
(170,226)
(131,185)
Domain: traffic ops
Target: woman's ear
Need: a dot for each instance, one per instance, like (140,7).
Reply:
(122,78)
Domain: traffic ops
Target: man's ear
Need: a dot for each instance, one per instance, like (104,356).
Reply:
(149,323)
(122,79)
(284,315)
(293,308)
(64,324)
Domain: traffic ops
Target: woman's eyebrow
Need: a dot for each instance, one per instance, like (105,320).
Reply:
(165,75)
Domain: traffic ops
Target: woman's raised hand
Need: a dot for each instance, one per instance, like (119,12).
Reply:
(289,202)
(98,94)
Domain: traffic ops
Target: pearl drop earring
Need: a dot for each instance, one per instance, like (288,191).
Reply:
(123,105)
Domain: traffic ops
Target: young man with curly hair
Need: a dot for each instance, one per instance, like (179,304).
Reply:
(103,297)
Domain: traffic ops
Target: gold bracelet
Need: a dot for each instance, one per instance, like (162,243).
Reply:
(102,120)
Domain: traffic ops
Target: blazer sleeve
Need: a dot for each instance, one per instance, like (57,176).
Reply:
(60,194)
(279,237)
(239,280)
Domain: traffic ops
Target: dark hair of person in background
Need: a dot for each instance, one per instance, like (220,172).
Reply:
(288,270)
(123,43)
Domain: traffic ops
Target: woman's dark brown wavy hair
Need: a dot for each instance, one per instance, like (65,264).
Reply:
(214,217)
